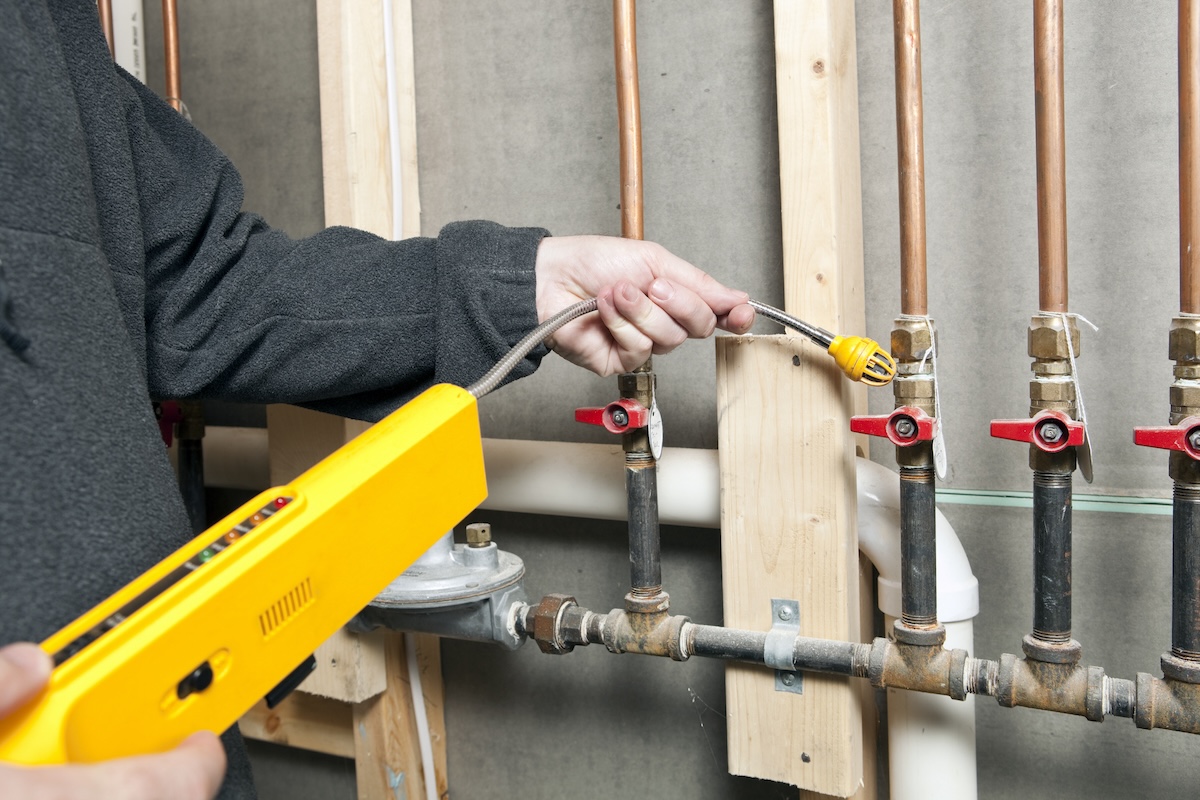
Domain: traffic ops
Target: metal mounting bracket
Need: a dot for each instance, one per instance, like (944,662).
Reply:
(780,644)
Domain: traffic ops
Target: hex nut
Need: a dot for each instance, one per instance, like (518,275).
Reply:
(1185,395)
(905,387)
(910,341)
(1053,391)
(1184,341)
(1048,338)
(545,624)
(479,534)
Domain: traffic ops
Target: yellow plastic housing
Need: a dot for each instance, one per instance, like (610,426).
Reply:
(259,607)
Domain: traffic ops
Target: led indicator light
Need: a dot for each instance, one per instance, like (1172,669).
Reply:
(280,502)
(205,555)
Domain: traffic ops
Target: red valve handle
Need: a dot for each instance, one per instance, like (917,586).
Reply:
(1173,437)
(1049,431)
(634,414)
(168,413)
(905,426)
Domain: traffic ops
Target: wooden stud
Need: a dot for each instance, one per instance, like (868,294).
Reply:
(368,671)
(304,721)
(387,751)
(787,456)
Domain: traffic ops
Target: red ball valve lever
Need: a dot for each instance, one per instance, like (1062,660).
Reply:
(905,426)
(623,415)
(1049,431)
(1184,437)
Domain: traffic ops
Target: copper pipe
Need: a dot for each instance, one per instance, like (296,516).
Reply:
(629,116)
(1051,155)
(1189,146)
(171,46)
(910,151)
(106,22)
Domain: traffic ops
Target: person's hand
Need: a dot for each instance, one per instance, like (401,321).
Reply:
(191,771)
(648,300)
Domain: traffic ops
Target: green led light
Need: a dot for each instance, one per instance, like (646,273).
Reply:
(205,554)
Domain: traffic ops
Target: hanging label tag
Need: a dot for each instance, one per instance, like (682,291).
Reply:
(1083,455)
(939,453)
(655,430)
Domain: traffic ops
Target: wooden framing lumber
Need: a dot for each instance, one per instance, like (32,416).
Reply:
(305,721)
(369,672)
(787,456)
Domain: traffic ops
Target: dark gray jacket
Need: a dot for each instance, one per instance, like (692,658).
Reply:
(129,272)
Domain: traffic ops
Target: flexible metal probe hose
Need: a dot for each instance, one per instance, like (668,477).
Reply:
(860,358)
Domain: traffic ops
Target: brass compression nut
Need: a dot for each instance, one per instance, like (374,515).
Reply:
(1184,341)
(1048,337)
(1052,391)
(1184,396)
(911,340)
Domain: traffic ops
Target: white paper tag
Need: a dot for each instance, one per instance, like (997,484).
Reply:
(655,430)
(939,454)
(1083,454)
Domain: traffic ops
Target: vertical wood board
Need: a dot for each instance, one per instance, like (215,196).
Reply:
(787,456)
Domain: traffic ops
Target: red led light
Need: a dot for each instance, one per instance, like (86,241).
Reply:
(280,502)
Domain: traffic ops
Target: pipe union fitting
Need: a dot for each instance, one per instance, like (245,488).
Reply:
(544,622)
(1048,338)
(1183,344)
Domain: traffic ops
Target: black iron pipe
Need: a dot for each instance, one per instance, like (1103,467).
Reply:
(812,655)
(1052,557)
(1185,573)
(645,561)
(918,547)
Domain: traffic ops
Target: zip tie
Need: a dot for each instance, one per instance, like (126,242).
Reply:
(939,440)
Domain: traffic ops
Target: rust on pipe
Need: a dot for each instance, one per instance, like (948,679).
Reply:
(629,116)
(1189,146)
(106,23)
(171,47)
(910,151)
(1051,155)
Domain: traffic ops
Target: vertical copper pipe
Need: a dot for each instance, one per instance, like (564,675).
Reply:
(910,151)
(171,46)
(629,116)
(106,22)
(1189,146)
(1051,154)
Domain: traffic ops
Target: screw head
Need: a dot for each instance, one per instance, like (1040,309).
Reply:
(1194,439)
(1050,432)
(785,613)
(788,679)
(906,428)
(620,417)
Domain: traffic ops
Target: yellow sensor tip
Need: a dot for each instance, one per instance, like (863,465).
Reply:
(862,359)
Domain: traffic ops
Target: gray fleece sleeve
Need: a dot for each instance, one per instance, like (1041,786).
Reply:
(342,321)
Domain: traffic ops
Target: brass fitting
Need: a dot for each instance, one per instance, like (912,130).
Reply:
(911,341)
(1183,344)
(919,668)
(1048,338)
(638,386)
(479,534)
(1066,688)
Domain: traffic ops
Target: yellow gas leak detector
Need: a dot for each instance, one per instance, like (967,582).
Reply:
(194,642)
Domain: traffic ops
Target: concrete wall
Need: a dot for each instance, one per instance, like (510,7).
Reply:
(517,123)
